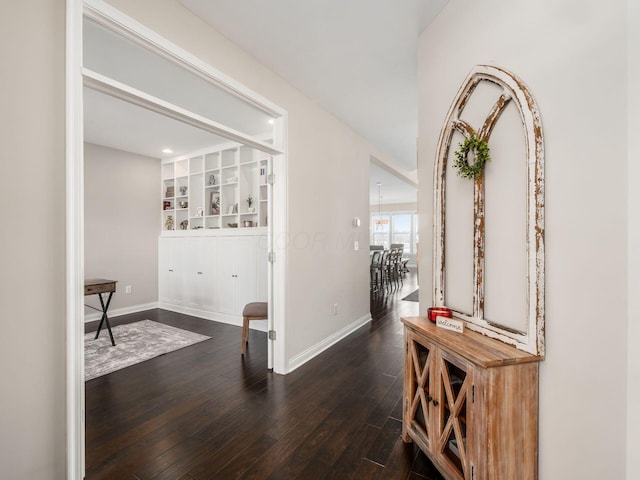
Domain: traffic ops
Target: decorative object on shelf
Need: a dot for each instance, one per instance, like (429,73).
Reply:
(214,202)
(247,223)
(480,150)
(434,312)
(168,223)
(184,224)
(232,225)
(220,180)
(197,227)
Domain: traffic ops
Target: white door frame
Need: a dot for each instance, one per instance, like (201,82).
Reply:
(75,199)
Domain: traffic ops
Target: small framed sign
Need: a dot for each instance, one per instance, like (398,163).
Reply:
(450,324)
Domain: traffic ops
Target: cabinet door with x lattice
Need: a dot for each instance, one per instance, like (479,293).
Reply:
(470,403)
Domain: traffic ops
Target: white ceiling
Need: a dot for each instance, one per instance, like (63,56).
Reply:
(115,123)
(356,58)
(392,188)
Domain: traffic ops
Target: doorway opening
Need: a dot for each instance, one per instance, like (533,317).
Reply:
(124,61)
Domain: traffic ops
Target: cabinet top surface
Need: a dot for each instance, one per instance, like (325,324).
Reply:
(473,346)
(217,232)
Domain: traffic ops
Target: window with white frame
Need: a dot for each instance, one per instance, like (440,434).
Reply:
(395,227)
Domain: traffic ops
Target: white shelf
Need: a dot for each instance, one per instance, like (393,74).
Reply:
(241,163)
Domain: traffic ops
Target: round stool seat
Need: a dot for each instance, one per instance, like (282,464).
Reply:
(255,309)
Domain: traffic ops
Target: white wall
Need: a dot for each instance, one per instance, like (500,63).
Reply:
(122,225)
(633,409)
(572,55)
(393,207)
(328,178)
(32,241)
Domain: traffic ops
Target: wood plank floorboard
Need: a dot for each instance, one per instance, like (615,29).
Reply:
(206,412)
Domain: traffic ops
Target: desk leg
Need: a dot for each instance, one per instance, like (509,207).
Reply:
(105,318)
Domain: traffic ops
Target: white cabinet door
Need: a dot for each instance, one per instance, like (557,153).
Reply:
(209,268)
(247,273)
(218,274)
(169,270)
(226,277)
(192,272)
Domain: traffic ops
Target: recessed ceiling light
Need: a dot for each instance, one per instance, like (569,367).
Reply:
(167,150)
(271,121)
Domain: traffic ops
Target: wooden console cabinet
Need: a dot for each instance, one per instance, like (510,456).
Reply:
(470,403)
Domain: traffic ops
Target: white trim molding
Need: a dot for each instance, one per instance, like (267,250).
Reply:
(328,342)
(75,242)
(118,312)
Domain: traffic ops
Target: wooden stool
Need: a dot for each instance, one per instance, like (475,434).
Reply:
(252,311)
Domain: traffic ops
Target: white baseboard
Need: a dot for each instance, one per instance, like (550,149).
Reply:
(260,325)
(93,316)
(331,340)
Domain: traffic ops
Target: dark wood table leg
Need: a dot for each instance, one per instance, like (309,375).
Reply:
(105,318)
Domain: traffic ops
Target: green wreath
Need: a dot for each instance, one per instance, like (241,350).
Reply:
(480,149)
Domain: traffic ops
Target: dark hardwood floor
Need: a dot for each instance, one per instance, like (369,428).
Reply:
(205,412)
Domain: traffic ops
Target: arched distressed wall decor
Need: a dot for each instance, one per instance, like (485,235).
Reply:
(511,90)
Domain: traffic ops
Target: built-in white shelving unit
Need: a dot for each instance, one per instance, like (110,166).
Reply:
(221,188)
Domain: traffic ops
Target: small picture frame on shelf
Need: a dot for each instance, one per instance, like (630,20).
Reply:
(214,203)
(199,212)
(230,210)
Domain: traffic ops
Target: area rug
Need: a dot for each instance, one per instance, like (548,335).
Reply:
(135,343)
(412,297)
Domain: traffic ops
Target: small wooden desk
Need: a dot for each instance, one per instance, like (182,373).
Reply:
(98,286)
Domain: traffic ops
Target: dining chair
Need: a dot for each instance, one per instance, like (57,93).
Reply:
(375,271)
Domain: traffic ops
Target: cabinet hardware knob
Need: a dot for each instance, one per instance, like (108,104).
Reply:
(429,398)
(435,403)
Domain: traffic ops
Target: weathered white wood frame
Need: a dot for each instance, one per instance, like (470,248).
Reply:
(513,90)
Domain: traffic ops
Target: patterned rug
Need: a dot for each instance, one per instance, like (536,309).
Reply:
(412,297)
(135,343)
